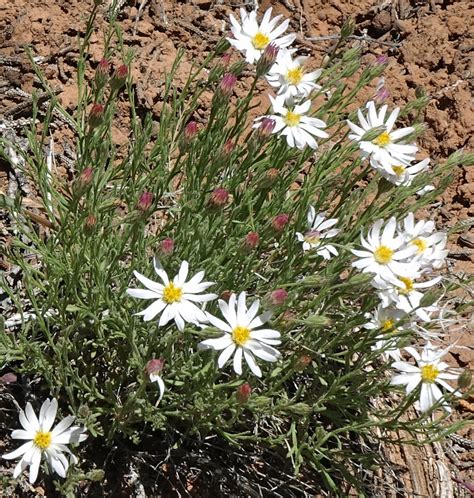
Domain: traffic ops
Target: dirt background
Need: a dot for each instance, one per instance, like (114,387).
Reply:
(429,45)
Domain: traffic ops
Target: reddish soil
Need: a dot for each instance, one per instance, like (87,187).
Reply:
(428,43)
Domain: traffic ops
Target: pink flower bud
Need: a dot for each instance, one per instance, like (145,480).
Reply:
(102,73)
(271,176)
(243,393)
(278,297)
(251,240)
(145,201)
(266,127)
(155,367)
(96,115)
(267,59)
(225,295)
(167,247)
(381,95)
(86,176)
(228,147)
(280,221)
(303,361)
(8,378)
(190,131)
(225,59)
(119,77)
(90,223)
(219,197)
(381,59)
(227,84)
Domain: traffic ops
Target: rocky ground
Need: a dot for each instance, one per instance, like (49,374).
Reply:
(429,46)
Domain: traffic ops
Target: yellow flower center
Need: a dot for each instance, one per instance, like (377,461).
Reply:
(240,335)
(388,324)
(399,170)
(408,285)
(260,41)
(383,255)
(382,140)
(172,294)
(294,76)
(429,373)
(43,440)
(292,119)
(312,237)
(420,244)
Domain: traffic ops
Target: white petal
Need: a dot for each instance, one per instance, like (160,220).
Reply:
(151,311)
(225,355)
(34,466)
(238,361)
(143,293)
(19,451)
(218,343)
(252,363)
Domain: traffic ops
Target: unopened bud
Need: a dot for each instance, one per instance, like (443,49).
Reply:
(96,115)
(86,176)
(227,84)
(465,379)
(190,131)
(267,125)
(251,241)
(228,147)
(225,60)
(145,201)
(270,178)
(225,295)
(167,247)
(277,297)
(8,378)
(102,73)
(219,197)
(119,77)
(267,59)
(303,361)
(243,393)
(222,46)
(280,221)
(381,59)
(96,475)
(155,366)
(381,95)
(91,222)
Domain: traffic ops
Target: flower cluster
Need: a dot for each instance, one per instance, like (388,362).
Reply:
(401,257)
(45,441)
(387,151)
(175,299)
(263,44)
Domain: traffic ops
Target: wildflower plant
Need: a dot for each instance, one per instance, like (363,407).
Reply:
(219,200)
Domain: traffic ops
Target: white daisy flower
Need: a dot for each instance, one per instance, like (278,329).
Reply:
(386,148)
(294,124)
(383,253)
(43,441)
(252,38)
(431,247)
(387,320)
(402,174)
(428,372)
(403,293)
(314,237)
(290,77)
(241,337)
(174,299)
